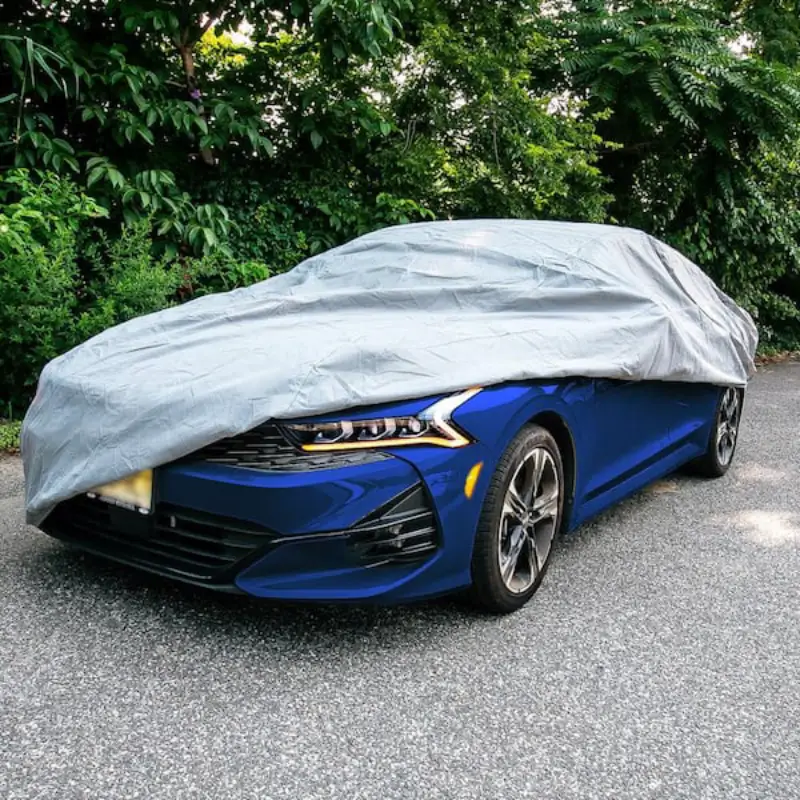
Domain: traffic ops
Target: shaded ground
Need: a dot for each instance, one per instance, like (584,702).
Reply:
(660,659)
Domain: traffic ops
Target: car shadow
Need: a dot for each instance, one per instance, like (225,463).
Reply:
(86,584)
(90,582)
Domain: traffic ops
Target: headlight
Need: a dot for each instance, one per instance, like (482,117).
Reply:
(431,426)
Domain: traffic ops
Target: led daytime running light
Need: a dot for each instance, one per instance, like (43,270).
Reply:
(432,426)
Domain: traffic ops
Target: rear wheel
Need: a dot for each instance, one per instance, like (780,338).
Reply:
(519,522)
(724,436)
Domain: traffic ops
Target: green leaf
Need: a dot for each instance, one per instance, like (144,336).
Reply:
(14,54)
(195,235)
(42,62)
(64,146)
(116,178)
(316,139)
(31,58)
(320,9)
(94,176)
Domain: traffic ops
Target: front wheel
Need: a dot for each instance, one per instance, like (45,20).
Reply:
(520,519)
(724,436)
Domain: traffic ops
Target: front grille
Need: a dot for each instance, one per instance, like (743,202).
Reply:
(265,448)
(198,547)
(402,532)
(210,549)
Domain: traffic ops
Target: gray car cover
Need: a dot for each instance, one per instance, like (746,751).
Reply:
(405,312)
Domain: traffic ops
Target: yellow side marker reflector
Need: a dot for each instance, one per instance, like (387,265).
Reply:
(472,479)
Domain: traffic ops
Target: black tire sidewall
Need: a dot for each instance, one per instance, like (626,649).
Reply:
(708,465)
(488,588)
(713,453)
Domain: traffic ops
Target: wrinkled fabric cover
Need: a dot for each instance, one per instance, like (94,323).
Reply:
(408,311)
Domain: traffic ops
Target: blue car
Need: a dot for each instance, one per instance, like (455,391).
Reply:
(411,500)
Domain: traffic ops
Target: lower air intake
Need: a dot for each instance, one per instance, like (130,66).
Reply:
(404,531)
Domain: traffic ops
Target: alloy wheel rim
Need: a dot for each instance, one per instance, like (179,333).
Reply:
(529,520)
(728,426)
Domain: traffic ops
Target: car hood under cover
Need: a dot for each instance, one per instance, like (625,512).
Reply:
(404,312)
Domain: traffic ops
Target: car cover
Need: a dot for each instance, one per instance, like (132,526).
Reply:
(405,312)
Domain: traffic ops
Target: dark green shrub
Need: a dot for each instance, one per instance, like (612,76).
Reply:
(220,272)
(9,436)
(62,280)
(127,280)
(39,226)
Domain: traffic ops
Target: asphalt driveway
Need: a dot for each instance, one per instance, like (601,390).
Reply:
(660,659)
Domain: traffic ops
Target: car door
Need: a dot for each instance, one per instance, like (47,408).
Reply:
(636,424)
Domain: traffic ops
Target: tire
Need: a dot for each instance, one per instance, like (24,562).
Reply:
(519,523)
(724,436)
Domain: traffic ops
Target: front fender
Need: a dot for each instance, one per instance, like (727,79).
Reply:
(493,417)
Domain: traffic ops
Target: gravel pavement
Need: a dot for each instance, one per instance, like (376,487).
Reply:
(660,659)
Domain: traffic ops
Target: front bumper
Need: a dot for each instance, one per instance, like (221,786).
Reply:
(374,528)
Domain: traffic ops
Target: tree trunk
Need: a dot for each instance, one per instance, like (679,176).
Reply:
(187,57)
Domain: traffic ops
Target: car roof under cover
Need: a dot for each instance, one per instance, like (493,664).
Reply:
(407,311)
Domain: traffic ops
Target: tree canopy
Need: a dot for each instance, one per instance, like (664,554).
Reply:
(238,136)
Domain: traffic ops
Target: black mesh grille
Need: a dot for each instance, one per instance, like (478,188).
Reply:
(405,531)
(265,448)
(175,541)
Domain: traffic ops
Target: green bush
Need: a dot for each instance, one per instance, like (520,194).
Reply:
(9,436)
(126,279)
(220,272)
(62,280)
(265,230)
(38,275)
